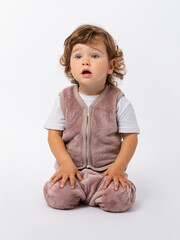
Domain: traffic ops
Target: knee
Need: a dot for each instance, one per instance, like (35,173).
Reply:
(117,201)
(62,198)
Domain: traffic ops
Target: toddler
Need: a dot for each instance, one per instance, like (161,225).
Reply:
(92,128)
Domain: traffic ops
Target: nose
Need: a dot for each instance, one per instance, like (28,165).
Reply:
(86,62)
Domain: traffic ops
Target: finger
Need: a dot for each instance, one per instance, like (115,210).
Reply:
(128,182)
(63,181)
(116,184)
(123,184)
(104,173)
(79,176)
(55,179)
(53,176)
(108,180)
(72,181)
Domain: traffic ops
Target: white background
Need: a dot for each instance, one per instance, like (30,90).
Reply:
(31,43)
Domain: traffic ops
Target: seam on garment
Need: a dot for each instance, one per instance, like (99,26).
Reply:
(62,102)
(97,187)
(81,185)
(92,106)
(83,134)
(119,96)
(117,100)
(102,95)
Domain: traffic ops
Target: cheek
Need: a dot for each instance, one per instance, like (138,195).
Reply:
(102,66)
(72,66)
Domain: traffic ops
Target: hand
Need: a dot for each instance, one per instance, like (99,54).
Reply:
(67,170)
(116,174)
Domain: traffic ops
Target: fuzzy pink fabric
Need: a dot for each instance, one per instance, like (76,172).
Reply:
(102,146)
(90,191)
(103,141)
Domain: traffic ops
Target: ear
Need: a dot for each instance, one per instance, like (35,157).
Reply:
(111,66)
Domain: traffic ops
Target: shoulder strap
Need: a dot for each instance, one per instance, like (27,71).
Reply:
(119,95)
(62,102)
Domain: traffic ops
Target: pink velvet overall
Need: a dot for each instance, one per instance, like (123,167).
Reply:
(102,146)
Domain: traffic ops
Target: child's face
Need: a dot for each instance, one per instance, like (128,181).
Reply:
(89,65)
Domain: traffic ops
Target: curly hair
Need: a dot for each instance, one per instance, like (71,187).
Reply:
(87,34)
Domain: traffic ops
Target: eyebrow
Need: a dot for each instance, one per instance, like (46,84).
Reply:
(97,49)
(77,49)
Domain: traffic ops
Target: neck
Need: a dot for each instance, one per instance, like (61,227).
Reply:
(90,91)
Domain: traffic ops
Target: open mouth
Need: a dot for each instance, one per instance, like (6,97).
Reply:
(84,72)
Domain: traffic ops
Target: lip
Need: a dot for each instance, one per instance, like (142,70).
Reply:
(86,75)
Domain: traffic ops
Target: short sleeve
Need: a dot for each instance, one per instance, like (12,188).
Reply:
(126,117)
(56,118)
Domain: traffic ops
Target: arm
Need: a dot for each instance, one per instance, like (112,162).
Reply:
(57,146)
(116,170)
(68,168)
(127,151)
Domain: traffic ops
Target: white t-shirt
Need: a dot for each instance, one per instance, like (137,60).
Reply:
(126,117)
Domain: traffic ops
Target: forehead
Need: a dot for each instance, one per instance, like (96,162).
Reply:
(94,45)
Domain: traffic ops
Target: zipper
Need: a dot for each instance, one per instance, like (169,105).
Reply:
(88,137)
(87,126)
(85,139)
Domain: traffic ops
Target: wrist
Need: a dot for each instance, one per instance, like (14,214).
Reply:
(120,166)
(66,162)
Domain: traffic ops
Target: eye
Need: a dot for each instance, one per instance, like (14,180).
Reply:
(95,56)
(78,56)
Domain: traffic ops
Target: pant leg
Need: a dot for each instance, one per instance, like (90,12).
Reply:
(90,182)
(113,201)
(63,198)
(91,191)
